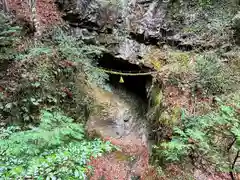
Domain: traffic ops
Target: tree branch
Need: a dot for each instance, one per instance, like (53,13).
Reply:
(233,165)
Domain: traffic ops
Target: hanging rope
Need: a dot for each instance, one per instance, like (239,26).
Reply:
(129,73)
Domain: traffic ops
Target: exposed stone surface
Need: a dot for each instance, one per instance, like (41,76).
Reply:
(90,14)
(115,116)
(126,28)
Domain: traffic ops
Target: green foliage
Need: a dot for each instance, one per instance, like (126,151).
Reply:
(34,89)
(207,75)
(57,148)
(34,52)
(43,76)
(174,150)
(212,76)
(9,35)
(208,139)
(204,3)
(6,132)
(75,50)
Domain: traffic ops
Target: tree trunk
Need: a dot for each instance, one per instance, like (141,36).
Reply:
(34,19)
(5,6)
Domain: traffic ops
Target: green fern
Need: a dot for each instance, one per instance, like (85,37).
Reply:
(34,52)
(174,150)
(206,137)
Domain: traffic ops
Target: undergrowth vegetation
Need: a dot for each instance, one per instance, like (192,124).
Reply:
(196,117)
(42,134)
(44,73)
(57,148)
(9,36)
(209,141)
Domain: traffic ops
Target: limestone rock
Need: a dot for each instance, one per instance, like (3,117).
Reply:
(128,29)
(115,116)
(90,14)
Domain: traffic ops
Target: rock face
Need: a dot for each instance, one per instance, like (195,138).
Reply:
(114,116)
(133,24)
(132,30)
(90,14)
(111,113)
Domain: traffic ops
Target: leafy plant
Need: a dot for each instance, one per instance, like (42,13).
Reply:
(57,148)
(204,3)
(175,149)
(212,76)
(45,78)
(34,52)
(9,35)
(75,50)
(208,140)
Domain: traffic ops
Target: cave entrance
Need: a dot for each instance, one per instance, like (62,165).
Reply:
(132,83)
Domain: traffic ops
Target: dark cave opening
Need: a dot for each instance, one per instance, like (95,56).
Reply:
(132,84)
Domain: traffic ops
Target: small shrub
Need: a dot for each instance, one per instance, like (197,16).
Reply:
(75,50)
(212,77)
(45,75)
(9,36)
(57,148)
(208,140)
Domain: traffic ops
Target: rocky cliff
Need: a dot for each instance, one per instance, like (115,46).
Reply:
(128,27)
